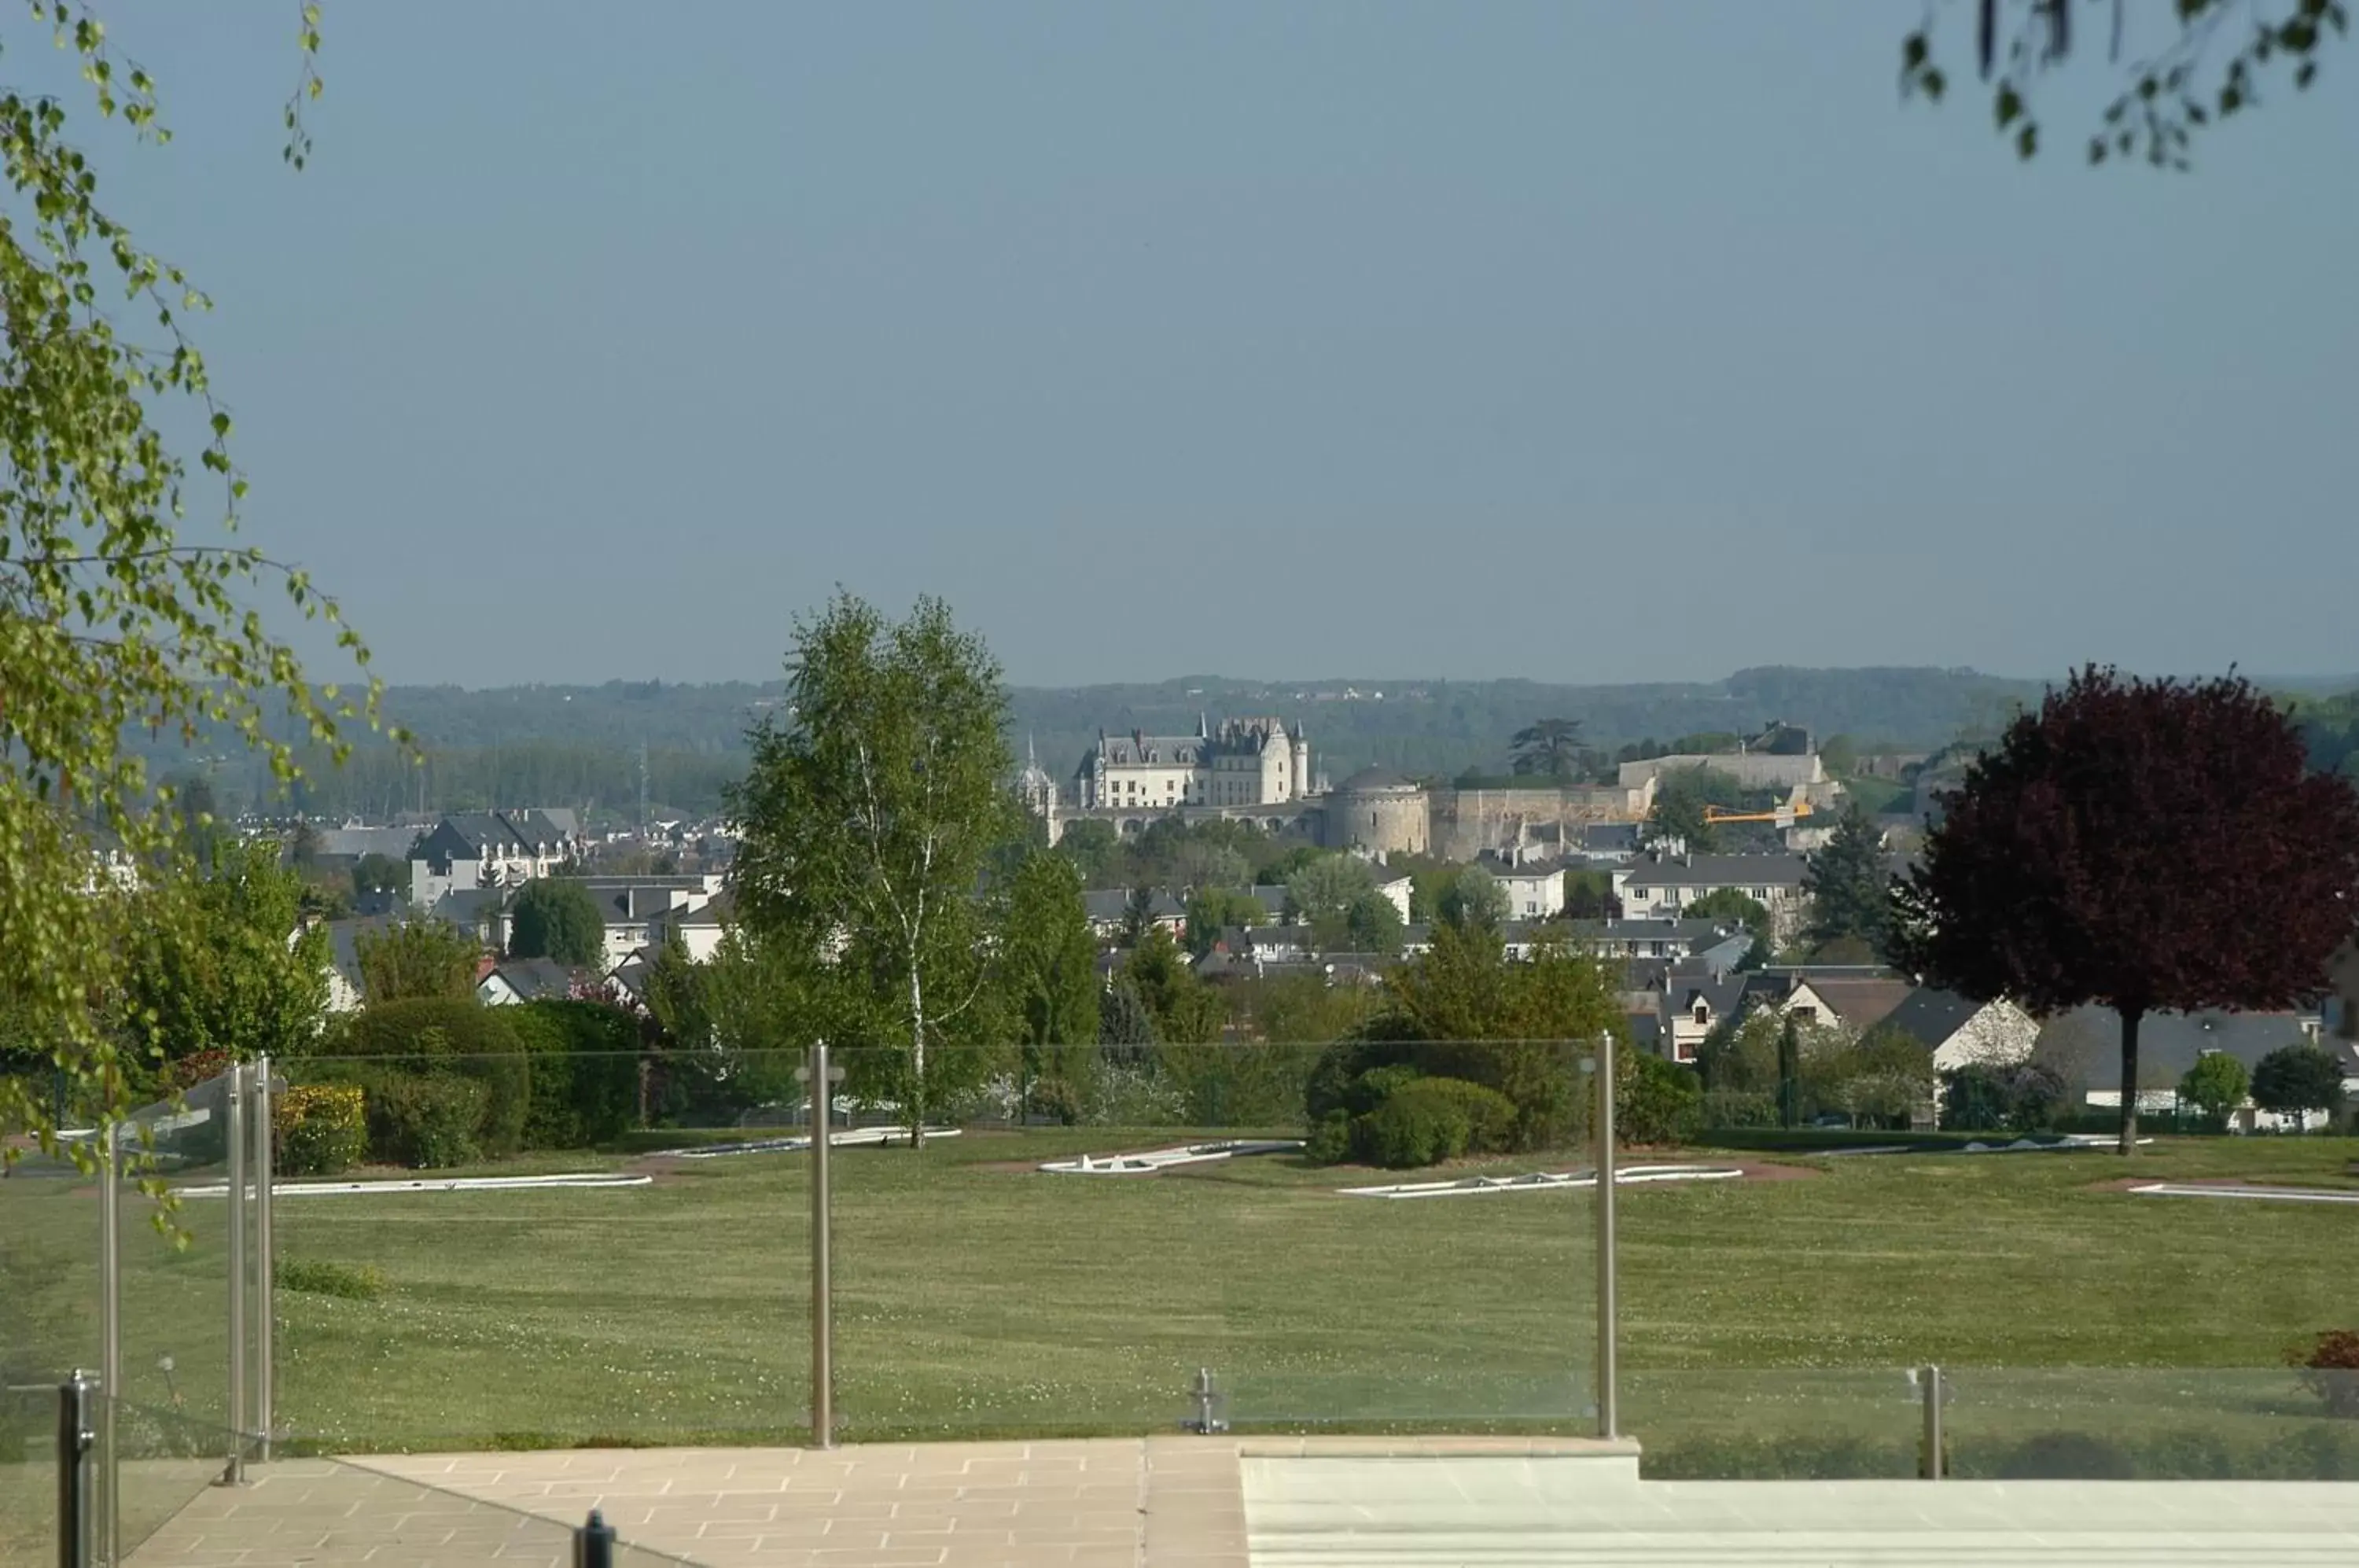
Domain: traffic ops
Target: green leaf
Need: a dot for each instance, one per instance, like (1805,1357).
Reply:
(2009,105)
(2026,140)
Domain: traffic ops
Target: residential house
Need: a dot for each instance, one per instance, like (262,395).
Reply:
(345,990)
(1533,893)
(1650,938)
(1959,1030)
(1108,910)
(481,912)
(699,927)
(2170,1043)
(1660,885)
(1610,844)
(1276,944)
(484,849)
(1271,895)
(634,908)
(532,980)
(1695,1001)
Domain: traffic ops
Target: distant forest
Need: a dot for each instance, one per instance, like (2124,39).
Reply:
(581,746)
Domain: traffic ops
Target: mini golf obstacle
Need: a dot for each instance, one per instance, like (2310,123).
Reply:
(430,1184)
(1546,1181)
(1152,1160)
(850,1137)
(2271,1194)
(2063,1143)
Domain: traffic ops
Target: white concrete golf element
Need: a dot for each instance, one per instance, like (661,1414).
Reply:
(2063,1143)
(1149,1161)
(850,1137)
(1546,1182)
(430,1184)
(2275,1194)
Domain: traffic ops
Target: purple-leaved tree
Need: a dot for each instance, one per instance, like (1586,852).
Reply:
(2149,845)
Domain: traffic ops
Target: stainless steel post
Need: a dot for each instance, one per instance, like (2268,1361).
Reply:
(823,1283)
(75,1440)
(1609,1418)
(594,1543)
(109,1338)
(265,1262)
(233,1472)
(1929,1386)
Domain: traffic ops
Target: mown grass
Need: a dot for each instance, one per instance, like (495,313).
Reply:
(976,1296)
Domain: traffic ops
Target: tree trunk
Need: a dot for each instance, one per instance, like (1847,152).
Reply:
(2130,1017)
(917,1058)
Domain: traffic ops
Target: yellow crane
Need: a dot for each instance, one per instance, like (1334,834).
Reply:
(1784,816)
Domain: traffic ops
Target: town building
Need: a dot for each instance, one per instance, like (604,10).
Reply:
(1245,762)
(1660,885)
(486,849)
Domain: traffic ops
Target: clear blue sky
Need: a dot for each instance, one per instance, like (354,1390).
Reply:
(1584,342)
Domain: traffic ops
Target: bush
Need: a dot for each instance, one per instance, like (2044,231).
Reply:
(2330,1370)
(321,1279)
(584,1079)
(423,1122)
(442,1037)
(2020,1098)
(1329,1142)
(1662,1102)
(1734,1108)
(1427,1120)
(319,1128)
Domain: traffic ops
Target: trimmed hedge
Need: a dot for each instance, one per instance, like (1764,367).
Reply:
(321,1128)
(584,1087)
(423,1121)
(437,1037)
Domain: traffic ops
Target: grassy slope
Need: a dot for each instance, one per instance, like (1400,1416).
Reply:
(974,1296)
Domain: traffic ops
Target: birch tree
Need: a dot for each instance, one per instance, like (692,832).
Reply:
(113,621)
(867,817)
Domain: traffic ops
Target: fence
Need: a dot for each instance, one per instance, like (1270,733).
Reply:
(639,1248)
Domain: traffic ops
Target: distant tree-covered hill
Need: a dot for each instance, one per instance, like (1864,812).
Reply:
(579,746)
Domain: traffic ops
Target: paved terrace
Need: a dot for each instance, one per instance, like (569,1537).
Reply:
(1187,1502)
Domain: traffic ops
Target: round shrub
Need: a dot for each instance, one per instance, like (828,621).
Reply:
(319,1129)
(1427,1120)
(1661,1102)
(1329,1142)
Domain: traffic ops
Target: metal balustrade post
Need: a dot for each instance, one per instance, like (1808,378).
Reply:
(75,1439)
(109,1338)
(265,1301)
(1929,1387)
(823,1283)
(593,1542)
(1609,1415)
(234,1471)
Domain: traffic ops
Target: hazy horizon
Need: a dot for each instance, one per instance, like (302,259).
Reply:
(1576,344)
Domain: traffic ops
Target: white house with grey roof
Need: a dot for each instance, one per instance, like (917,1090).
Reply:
(1658,887)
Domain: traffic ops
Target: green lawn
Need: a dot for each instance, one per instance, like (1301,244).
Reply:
(974,1295)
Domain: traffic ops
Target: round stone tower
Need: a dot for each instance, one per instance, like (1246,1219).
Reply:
(1378,811)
